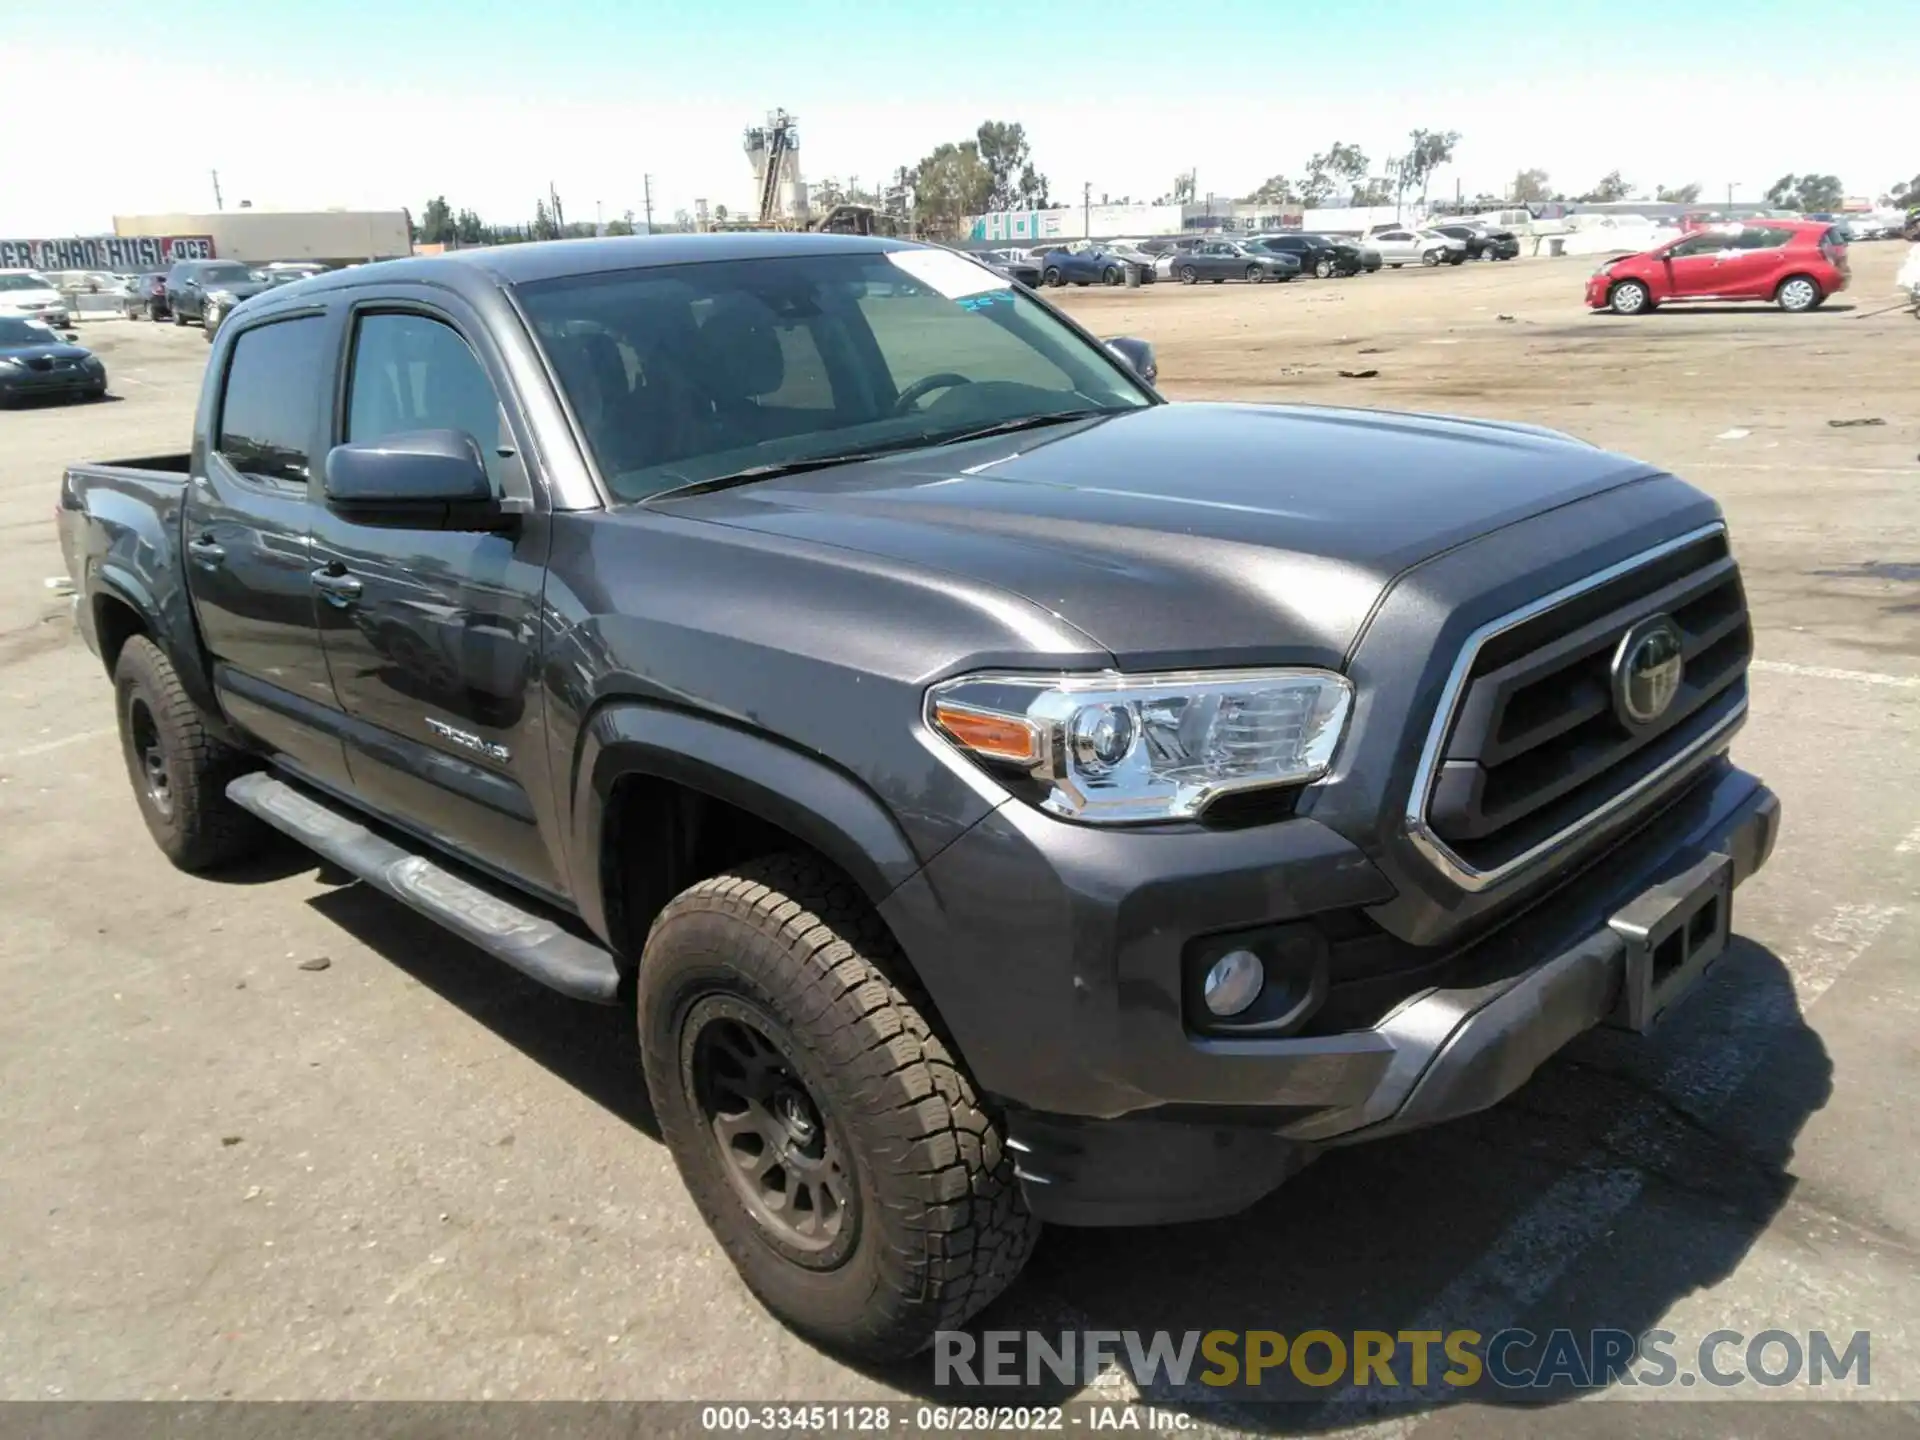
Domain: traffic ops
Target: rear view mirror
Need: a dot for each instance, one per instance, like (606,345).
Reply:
(1136,355)
(421,480)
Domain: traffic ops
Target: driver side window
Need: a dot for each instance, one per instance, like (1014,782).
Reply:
(1705,243)
(411,372)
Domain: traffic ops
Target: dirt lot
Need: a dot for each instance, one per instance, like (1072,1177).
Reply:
(412,1174)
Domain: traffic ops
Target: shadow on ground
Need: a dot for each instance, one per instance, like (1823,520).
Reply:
(1625,1175)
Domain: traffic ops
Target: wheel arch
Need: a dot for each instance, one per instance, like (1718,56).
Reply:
(663,798)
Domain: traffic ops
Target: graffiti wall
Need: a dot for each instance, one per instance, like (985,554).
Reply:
(124,253)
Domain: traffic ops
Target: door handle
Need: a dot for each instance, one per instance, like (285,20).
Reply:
(206,551)
(339,587)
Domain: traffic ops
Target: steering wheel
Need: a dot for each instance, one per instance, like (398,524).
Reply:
(914,393)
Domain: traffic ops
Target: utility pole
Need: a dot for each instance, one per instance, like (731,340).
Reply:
(1730,195)
(217,203)
(646,190)
(1086,210)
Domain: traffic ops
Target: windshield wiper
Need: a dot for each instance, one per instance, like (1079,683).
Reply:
(801,466)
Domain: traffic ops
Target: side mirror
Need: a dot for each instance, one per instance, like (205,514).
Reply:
(1136,355)
(421,480)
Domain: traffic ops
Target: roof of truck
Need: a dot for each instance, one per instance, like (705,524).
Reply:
(548,259)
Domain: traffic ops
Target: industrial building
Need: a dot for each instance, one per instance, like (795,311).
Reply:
(330,237)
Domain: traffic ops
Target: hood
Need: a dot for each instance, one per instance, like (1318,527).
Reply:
(1189,534)
(44,350)
(22,299)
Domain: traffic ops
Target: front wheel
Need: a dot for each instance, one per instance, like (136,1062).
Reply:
(1051,279)
(1798,293)
(1430,259)
(179,770)
(837,1150)
(1189,275)
(1255,275)
(1629,297)
(1323,268)
(1113,275)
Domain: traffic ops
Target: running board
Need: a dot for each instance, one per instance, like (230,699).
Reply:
(500,926)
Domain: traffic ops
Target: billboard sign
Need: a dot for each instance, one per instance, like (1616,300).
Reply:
(104,252)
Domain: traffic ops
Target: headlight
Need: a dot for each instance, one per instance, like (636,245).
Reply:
(1606,268)
(1119,749)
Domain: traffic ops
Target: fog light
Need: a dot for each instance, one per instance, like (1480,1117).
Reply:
(1234,982)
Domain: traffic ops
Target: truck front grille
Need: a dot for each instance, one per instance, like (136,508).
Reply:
(1528,748)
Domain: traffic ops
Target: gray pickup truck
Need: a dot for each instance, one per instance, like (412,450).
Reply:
(1003,795)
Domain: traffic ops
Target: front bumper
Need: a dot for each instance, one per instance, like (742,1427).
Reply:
(1119,1115)
(24,384)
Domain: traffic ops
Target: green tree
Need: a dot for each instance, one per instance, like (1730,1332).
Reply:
(826,194)
(436,222)
(1903,194)
(720,212)
(1678,194)
(545,227)
(1427,151)
(622,226)
(1610,189)
(1013,183)
(1375,190)
(1807,193)
(1274,190)
(1530,187)
(949,186)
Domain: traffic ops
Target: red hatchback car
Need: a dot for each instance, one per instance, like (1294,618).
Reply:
(1796,264)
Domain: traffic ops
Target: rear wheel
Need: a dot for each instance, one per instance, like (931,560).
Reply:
(837,1150)
(179,770)
(1797,293)
(1629,297)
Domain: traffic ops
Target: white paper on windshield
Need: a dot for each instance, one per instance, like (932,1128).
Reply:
(947,273)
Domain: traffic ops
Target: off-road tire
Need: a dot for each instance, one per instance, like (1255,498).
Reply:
(200,828)
(942,1226)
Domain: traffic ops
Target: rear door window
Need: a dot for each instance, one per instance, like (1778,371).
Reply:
(269,405)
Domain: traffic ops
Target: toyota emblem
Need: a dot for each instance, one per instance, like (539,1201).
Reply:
(1647,670)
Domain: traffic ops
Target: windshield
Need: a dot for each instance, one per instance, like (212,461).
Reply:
(225,275)
(25,282)
(25,332)
(685,374)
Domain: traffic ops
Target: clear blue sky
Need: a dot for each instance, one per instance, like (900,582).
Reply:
(300,103)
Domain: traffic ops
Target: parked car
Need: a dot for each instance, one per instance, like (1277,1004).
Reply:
(145,295)
(1134,256)
(1219,260)
(218,304)
(1403,246)
(35,361)
(30,295)
(1319,254)
(1012,266)
(189,283)
(1796,264)
(1094,265)
(1003,795)
(1482,243)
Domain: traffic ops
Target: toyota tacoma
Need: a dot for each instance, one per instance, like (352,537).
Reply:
(1004,796)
